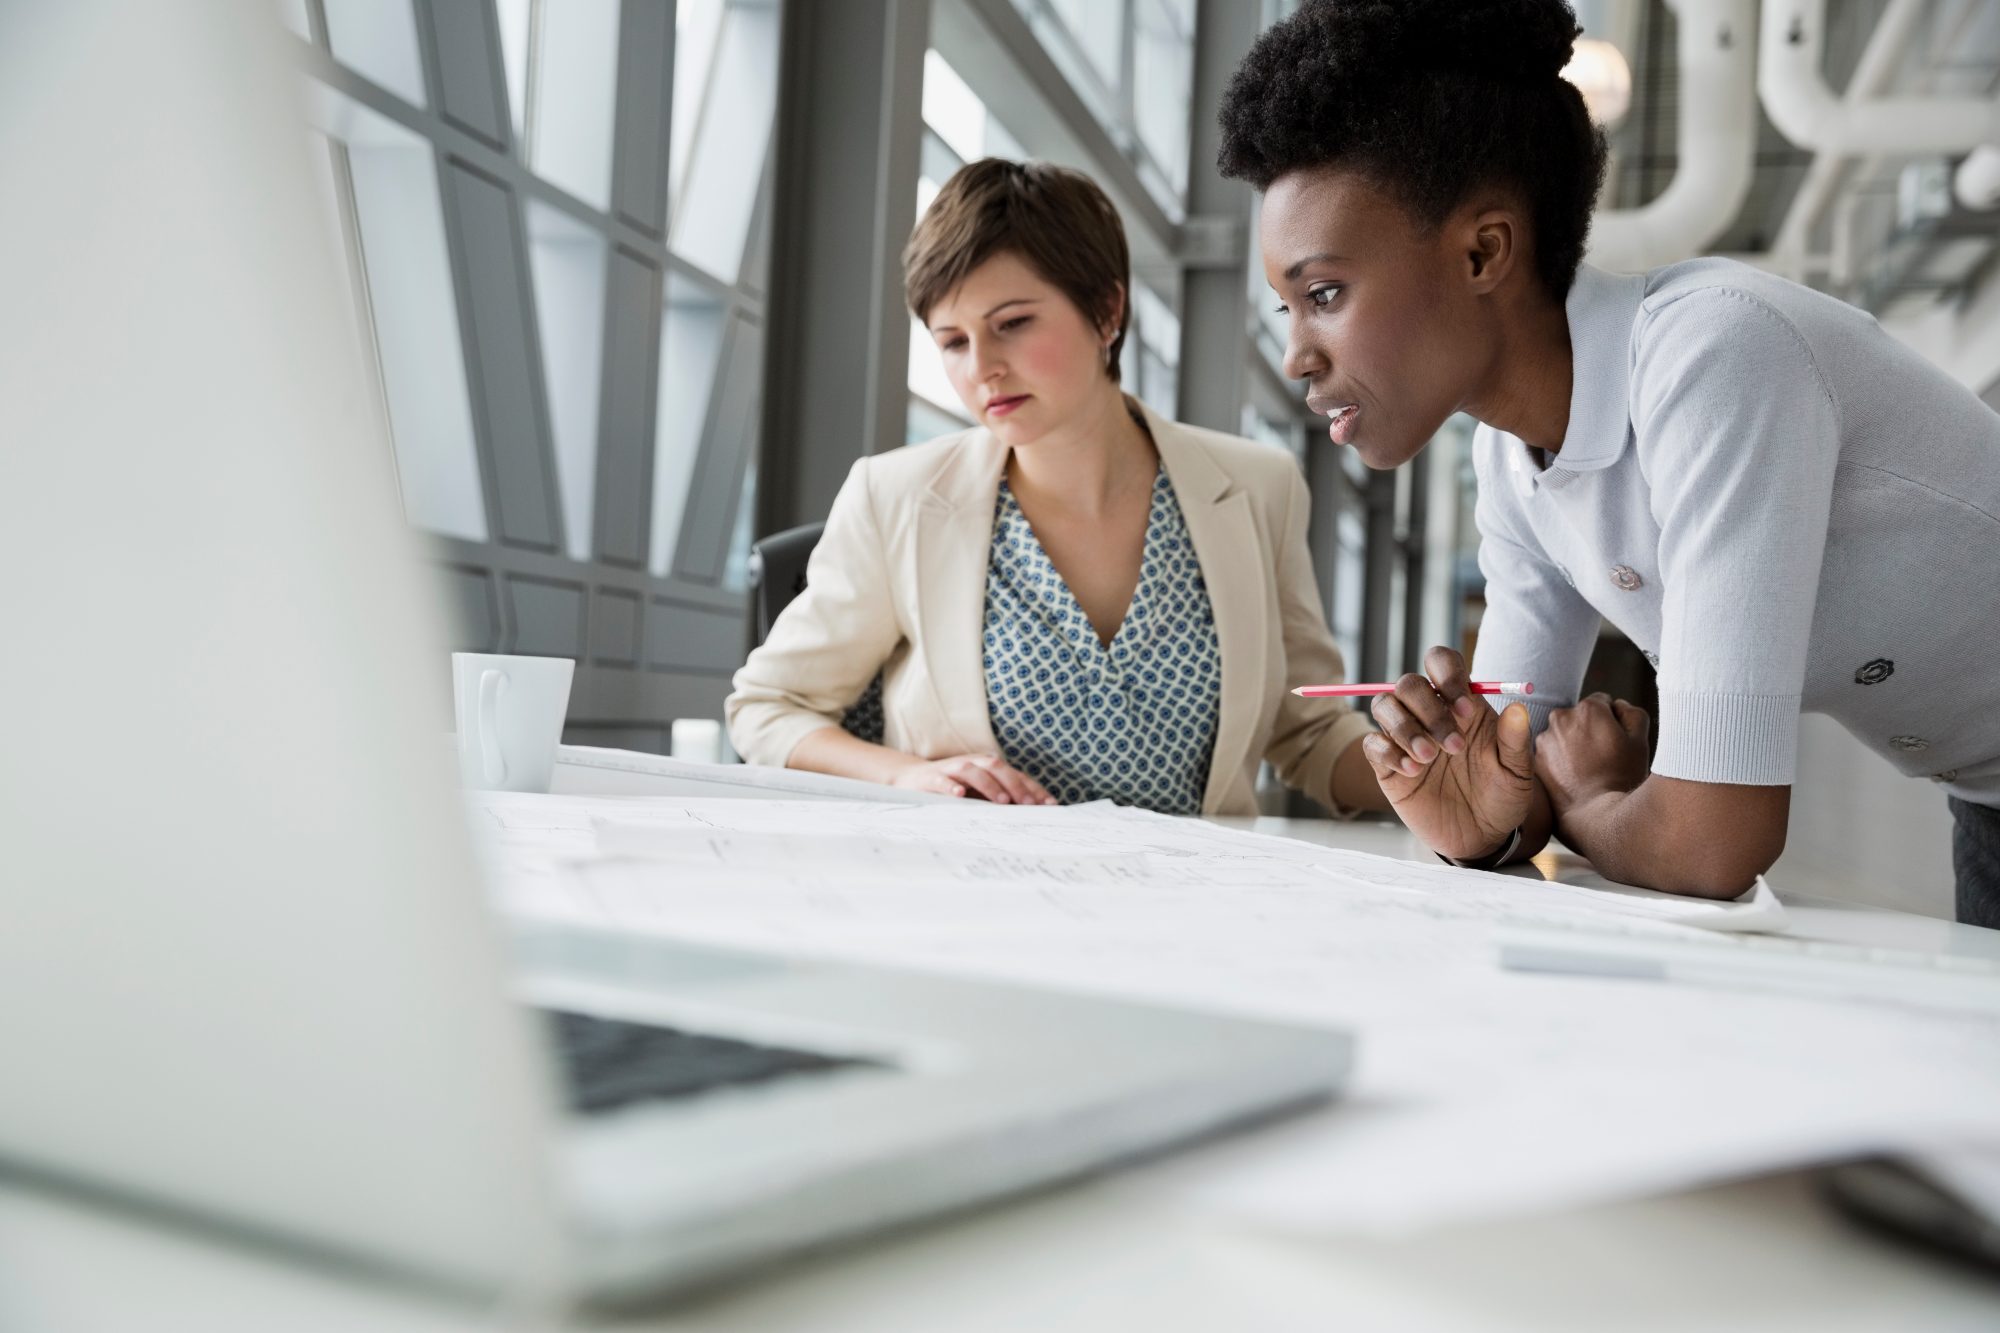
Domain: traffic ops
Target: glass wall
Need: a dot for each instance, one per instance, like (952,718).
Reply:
(562,78)
(378,140)
(553,219)
(569,262)
(1132,63)
(383,194)
(1151,363)
(725,97)
(377,39)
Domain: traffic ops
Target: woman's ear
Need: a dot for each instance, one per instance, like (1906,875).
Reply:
(1107,332)
(1492,247)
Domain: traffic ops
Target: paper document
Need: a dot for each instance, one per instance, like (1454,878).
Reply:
(1478,1091)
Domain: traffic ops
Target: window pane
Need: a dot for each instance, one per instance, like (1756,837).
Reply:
(1156,330)
(1155,384)
(377,39)
(406,280)
(697,26)
(926,378)
(293,12)
(576,93)
(953,110)
(569,262)
(724,160)
(927,382)
(327,162)
(1266,430)
(1136,79)
(1098,89)
(690,352)
(561,63)
(732,446)
(999,143)
(1268,329)
(736,569)
(1162,326)
(1162,84)
(1097,27)
(1349,578)
(516,21)
(956,116)
(1399,578)
(926,422)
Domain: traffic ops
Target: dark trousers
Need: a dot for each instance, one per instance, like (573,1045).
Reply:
(1975,855)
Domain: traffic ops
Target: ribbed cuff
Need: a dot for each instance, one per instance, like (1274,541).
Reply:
(1538,709)
(1747,739)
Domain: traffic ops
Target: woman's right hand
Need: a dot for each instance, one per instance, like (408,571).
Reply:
(1461,776)
(979,775)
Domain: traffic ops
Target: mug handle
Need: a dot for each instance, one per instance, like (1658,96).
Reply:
(491,684)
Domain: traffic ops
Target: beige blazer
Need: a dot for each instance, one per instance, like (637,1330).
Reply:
(897,584)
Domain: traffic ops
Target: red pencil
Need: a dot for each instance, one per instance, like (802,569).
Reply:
(1353,691)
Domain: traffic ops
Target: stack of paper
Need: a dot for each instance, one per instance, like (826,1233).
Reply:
(1478,1091)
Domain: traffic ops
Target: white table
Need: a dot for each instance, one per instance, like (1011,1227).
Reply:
(1809,916)
(1763,1254)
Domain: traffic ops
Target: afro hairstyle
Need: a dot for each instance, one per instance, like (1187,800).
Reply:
(1430,100)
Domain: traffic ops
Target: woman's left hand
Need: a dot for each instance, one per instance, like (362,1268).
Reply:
(1596,747)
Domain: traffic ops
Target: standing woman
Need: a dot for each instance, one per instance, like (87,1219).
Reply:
(1783,507)
(1076,599)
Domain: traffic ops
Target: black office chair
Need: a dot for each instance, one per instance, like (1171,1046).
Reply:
(778,571)
(777,575)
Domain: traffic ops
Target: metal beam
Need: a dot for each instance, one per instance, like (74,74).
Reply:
(849,138)
(1215,302)
(1383,551)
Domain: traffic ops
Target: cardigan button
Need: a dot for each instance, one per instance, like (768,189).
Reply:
(1875,672)
(1627,578)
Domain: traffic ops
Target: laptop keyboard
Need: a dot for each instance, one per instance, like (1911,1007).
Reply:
(609,1063)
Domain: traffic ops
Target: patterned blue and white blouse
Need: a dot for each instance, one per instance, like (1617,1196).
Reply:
(1134,722)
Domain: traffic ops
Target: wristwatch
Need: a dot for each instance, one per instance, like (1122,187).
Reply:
(1497,857)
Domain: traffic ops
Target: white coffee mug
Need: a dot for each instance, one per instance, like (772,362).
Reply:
(698,739)
(510,718)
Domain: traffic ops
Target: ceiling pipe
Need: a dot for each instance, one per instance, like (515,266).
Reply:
(1977,183)
(1872,73)
(1718,145)
(1813,116)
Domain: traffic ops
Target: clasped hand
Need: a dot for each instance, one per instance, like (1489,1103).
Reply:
(1595,748)
(1463,777)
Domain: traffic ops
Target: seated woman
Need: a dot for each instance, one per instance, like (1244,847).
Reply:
(1076,599)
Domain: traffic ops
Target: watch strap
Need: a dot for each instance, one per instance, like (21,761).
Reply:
(1492,859)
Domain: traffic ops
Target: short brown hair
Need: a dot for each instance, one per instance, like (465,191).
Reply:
(1057,220)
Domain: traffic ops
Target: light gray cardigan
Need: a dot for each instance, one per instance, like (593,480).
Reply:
(1784,507)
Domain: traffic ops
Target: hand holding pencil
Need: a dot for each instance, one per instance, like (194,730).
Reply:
(1460,775)
(1358,691)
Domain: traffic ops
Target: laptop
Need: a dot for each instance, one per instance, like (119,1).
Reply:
(247,973)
